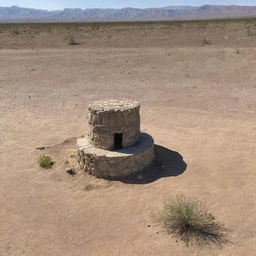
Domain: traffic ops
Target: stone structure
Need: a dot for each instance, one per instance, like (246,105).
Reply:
(114,119)
(115,147)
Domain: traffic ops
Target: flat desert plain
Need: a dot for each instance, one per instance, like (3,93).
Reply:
(196,82)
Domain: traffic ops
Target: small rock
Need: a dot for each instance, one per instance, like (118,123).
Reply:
(72,172)
(41,148)
(149,226)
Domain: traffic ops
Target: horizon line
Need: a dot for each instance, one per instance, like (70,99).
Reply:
(129,7)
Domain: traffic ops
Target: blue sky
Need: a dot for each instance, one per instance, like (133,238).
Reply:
(61,4)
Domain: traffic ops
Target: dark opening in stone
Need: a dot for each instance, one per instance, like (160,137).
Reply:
(118,141)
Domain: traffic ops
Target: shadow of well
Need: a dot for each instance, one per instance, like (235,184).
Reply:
(167,163)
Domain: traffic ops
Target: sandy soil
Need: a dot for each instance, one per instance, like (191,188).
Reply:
(198,101)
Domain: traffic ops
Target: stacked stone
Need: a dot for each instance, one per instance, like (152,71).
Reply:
(104,164)
(97,154)
(113,116)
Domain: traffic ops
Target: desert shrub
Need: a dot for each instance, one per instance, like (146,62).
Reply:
(95,27)
(188,220)
(206,42)
(45,161)
(72,42)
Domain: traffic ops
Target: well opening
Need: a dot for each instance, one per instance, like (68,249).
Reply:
(118,141)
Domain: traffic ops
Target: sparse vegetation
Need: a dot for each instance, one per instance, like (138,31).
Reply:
(45,162)
(206,42)
(72,42)
(187,219)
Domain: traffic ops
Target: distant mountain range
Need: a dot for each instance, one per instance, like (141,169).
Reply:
(18,14)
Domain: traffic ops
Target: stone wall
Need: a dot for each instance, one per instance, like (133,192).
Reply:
(105,164)
(106,118)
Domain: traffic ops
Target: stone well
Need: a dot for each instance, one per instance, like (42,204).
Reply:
(108,119)
(115,147)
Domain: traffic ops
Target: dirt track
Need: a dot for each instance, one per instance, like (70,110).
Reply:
(197,100)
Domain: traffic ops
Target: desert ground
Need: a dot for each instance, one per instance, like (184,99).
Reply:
(196,82)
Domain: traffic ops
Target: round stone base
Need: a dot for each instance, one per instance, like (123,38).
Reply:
(120,163)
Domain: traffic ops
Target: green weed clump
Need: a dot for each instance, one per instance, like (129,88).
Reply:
(45,162)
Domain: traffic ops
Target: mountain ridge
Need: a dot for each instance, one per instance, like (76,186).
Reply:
(20,14)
